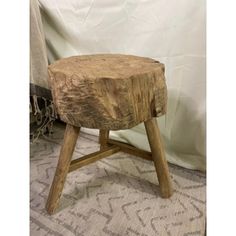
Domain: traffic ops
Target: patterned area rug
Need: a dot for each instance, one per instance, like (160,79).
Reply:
(115,196)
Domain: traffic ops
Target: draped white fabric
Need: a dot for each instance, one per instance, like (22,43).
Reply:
(170,31)
(38,55)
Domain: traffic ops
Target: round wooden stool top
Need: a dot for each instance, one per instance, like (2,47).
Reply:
(108,91)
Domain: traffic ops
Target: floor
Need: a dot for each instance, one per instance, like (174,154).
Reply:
(115,196)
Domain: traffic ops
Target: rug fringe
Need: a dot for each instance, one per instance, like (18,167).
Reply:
(43,117)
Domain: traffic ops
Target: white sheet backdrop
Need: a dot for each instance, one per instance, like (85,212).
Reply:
(170,31)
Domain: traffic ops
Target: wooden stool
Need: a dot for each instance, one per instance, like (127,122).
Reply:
(108,92)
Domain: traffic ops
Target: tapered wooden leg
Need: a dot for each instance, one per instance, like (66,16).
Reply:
(70,138)
(158,155)
(103,138)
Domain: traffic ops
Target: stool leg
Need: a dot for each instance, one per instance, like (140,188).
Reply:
(70,138)
(158,155)
(103,137)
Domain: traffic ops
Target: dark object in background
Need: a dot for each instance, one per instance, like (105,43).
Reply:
(42,112)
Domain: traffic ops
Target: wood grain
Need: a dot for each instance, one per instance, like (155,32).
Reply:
(90,158)
(103,138)
(124,147)
(108,91)
(69,142)
(158,155)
